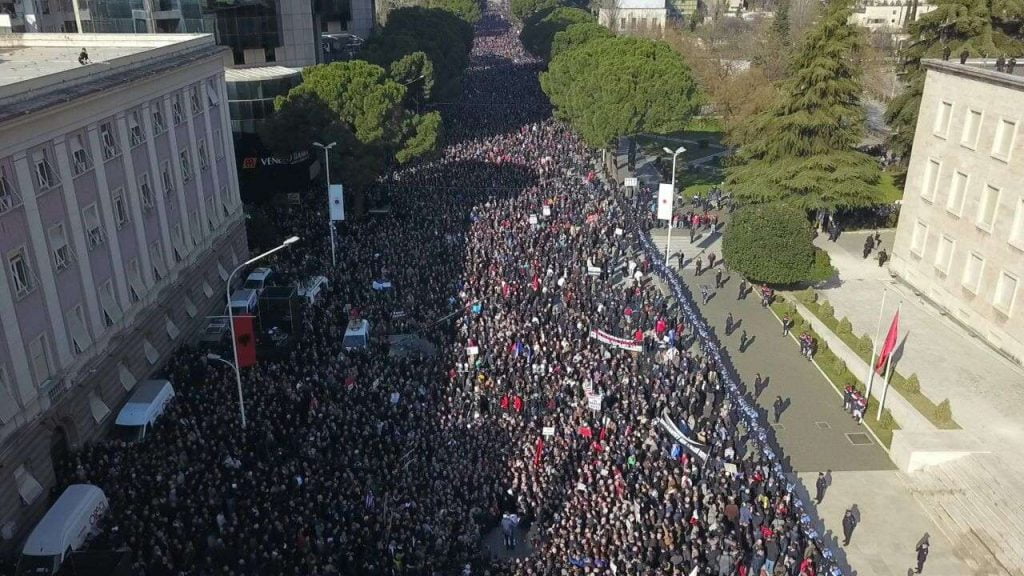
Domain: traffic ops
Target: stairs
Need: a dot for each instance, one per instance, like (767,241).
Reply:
(976,501)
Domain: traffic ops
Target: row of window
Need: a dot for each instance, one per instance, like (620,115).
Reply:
(41,364)
(24,281)
(46,176)
(1003,297)
(1005,133)
(988,204)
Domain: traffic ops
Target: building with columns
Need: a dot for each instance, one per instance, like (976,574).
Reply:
(960,237)
(119,220)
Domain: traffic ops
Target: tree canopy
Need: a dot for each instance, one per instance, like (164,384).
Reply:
(468,10)
(539,28)
(521,9)
(443,37)
(801,149)
(771,243)
(577,35)
(980,27)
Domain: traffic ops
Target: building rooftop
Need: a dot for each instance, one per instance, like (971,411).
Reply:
(259,73)
(40,70)
(981,69)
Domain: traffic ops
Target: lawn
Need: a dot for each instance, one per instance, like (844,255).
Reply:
(890,191)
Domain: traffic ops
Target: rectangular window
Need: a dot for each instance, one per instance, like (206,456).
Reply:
(45,176)
(7,196)
(224,202)
(120,208)
(186,164)
(80,338)
(211,214)
(1006,293)
(80,162)
(136,134)
(944,254)
(166,180)
(159,124)
(59,247)
(126,377)
(152,355)
(146,192)
(39,356)
(973,270)
(110,149)
(21,274)
(178,243)
(136,288)
(218,143)
(212,92)
(957,193)
(207,289)
(93,229)
(156,256)
(195,228)
(1006,133)
(972,126)
(204,160)
(193,96)
(920,238)
(190,306)
(177,109)
(1017,231)
(108,301)
(172,329)
(942,116)
(988,207)
(8,406)
(931,179)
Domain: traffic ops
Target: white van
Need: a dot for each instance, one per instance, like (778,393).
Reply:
(257,279)
(72,519)
(245,302)
(145,405)
(357,335)
(311,288)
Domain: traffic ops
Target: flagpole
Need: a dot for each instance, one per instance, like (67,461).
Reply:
(888,369)
(874,346)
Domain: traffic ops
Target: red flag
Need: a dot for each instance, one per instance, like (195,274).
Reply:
(517,403)
(538,451)
(245,341)
(890,343)
(586,432)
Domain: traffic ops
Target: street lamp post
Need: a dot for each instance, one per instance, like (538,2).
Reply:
(675,154)
(231,319)
(330,223)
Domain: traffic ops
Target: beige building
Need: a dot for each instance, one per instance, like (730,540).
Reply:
(120,216)
(888,15)
(960,239)
(644,17)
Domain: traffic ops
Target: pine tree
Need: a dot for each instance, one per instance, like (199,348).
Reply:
(780,25)
(802,148)
(980,27)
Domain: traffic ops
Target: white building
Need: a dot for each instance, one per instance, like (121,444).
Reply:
(119,218)
(645,17)
(960,238)
(887,15)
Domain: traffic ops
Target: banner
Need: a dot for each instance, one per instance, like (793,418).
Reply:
(692,445)
(665,198)
(245,341)
(624,343)
(594,402)
(631,182)
(336,197)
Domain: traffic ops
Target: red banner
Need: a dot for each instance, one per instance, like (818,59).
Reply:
(245,341)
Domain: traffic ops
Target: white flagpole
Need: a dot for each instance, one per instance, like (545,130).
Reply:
(874,346)
(888,368)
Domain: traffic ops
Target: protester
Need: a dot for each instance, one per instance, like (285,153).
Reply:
(365,462)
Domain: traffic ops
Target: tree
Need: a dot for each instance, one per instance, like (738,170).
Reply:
(770,243)
(802,148)
(621,85)
(780,24)
(468,10)
(577,35)
(540,28)
(521,9)
(416,72)
(979,27)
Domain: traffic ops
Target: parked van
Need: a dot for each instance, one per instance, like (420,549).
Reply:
(72,519)
(145,405)
(258,279)
(357,335)
(245,302)
(311,288)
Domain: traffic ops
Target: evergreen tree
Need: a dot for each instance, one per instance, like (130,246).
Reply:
(780,24)
(979,27)
(802,149)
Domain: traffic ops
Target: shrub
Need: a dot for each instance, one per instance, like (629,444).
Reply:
(913,384)
(770,243)
(826,311)
(821,268)
(864,346)
(807,296)
(844,327)
(887,421)
(944,412)
(840,367)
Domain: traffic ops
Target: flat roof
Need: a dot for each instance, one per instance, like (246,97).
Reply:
(259,73)
(982,70)
(38,70)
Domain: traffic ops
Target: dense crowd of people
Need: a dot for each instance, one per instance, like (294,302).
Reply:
(370,462)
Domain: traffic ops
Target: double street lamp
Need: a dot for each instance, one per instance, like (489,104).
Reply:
(231,322)
(330,223)
(675,154)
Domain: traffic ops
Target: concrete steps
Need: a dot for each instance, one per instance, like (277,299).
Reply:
(976,501)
